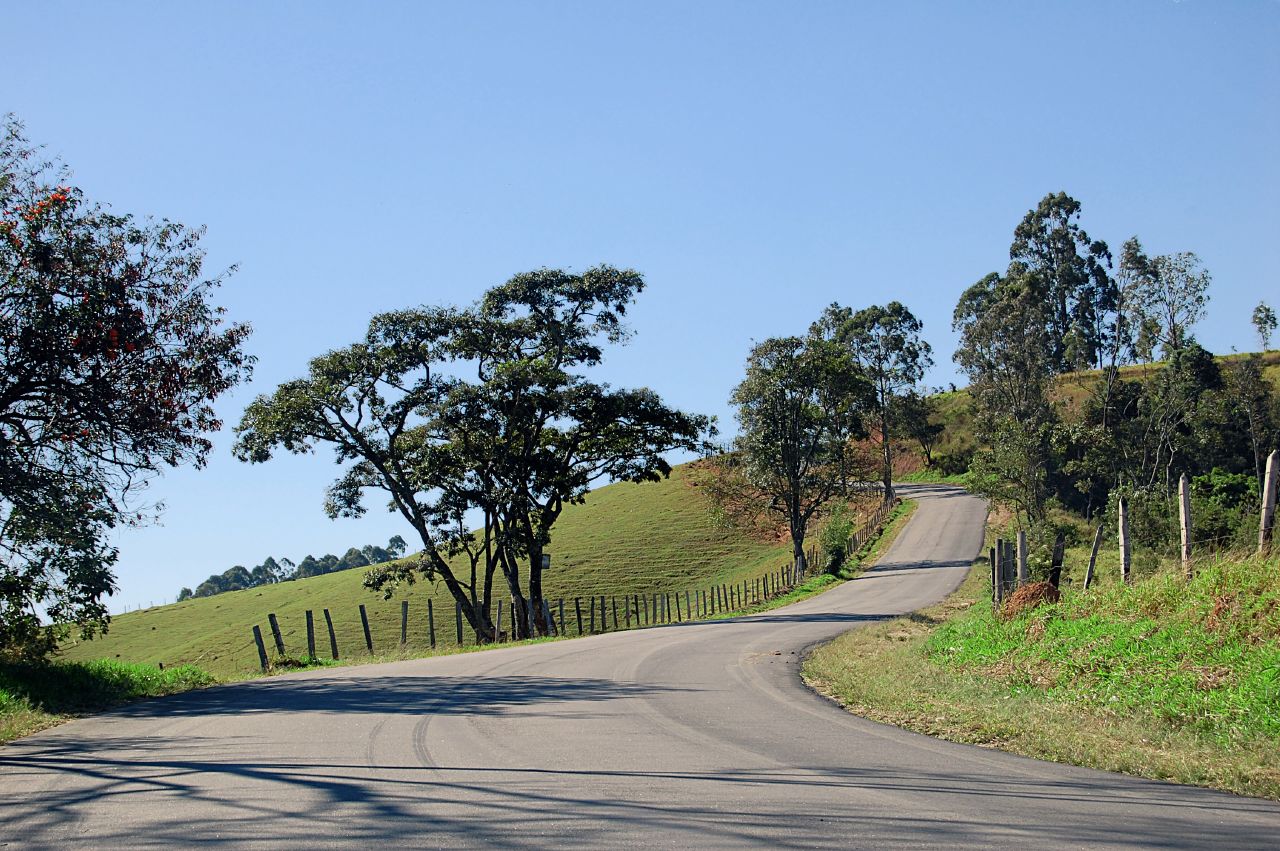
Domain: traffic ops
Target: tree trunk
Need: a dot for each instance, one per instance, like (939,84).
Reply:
(887,459)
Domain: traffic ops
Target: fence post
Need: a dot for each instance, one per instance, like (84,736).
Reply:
(1022,558)
(275,633)
(1093,557)
(687,609)
(1055,567)
(262,648)
(1267,518)
(311,635)
(404,623)
(546,613)
(333,637)
(626,610)
(560,606)
(613,604)
(1184,523)
(1000,569)
(499,620)
(1126,549)
(364,622)
(431,624)
(604,620)
(577,607)
(995,576)
(457,619)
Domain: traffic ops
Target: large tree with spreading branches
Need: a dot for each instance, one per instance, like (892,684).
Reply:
(479,427)
(111,355)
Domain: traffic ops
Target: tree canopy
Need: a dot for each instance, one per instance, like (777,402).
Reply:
(482,412)
(111,355)
(800,406)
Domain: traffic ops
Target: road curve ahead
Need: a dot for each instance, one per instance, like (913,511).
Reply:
(691,735)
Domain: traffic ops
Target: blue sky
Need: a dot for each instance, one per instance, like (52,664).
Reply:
(756,161)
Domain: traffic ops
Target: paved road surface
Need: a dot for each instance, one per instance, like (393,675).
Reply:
(690,735)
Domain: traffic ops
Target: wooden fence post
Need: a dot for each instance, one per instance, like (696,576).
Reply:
(687,609)
(311,635)
(275,633)
(431,624)
(457,619)
(1093,557)
(1267,517)
(679,618)
(626,610)
(333,636)
(560,606)
(995,575)
(1055,567)
(1126,549)
(1022,558)
(577,607)
(604,621)
(262,648)
(644,598)
(613,604)
(1184,523)
(404,623)
(364,622)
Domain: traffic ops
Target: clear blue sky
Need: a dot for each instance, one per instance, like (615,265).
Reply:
(756,161)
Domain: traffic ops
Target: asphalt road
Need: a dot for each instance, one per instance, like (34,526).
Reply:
(689,735)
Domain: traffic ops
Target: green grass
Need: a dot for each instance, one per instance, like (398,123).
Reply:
(1163,679)
(34,696)
(626,539)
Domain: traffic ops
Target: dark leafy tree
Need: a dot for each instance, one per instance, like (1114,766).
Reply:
(886,345)
(1070,274)
(1264,323)
(1006,349)
(801,406)
(914,417)
(111,355)
(452,413)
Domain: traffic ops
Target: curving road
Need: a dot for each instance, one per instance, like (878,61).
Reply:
(688,735)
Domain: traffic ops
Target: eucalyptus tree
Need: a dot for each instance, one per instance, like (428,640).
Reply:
(886,345)
(800,407)
(1007,350)
(1070,274)
(1264,323)
(481,413)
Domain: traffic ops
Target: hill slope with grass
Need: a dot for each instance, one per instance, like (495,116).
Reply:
(953,411)
(1164,678)
(626,539)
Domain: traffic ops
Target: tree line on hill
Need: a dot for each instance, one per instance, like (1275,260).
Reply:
(1065,303)
(271,571)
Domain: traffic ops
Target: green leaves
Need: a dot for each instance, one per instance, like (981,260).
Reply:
(111,356)
(454,413)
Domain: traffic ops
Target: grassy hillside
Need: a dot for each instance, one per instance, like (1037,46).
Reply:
(954,412)
(1164,678)
(626,538)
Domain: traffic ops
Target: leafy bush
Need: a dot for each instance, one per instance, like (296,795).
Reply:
(835,537)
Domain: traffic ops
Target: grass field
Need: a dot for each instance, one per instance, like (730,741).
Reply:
(1160,679)
(626,539)
(34,696)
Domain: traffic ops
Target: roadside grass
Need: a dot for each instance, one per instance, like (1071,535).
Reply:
(34,696)
(626,539)
(1162,679)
